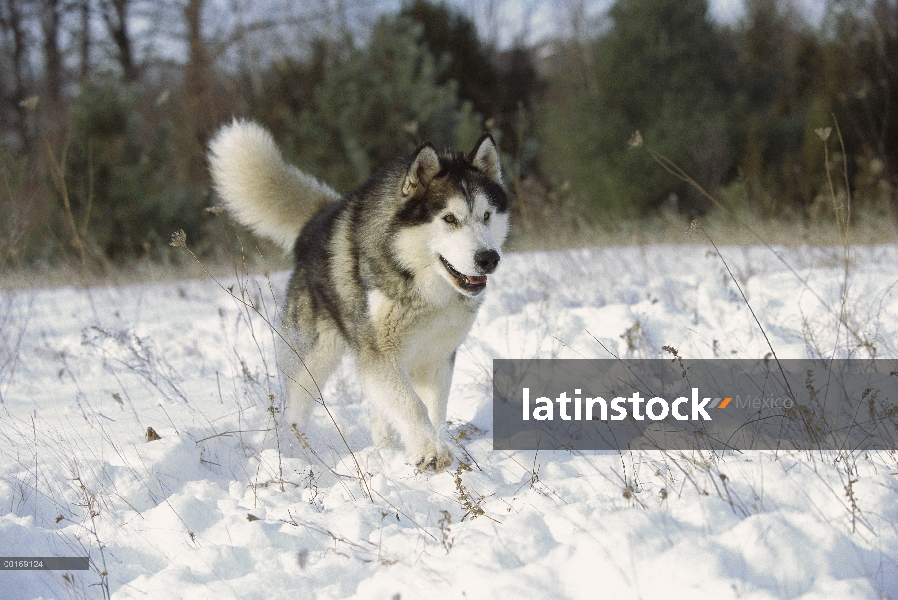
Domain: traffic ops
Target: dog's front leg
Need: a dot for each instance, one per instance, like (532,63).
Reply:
(389,387)
(432,381)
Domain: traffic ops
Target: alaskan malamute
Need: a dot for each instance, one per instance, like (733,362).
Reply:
(393,272)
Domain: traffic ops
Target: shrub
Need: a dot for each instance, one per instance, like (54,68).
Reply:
(121,175)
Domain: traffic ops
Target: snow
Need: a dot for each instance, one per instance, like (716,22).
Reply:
(222,506)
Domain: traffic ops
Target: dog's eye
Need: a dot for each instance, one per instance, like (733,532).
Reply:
(450,218)
(486,216)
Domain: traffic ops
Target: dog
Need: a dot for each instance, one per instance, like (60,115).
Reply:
(393,273)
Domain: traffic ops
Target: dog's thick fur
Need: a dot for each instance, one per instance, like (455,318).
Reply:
(394,273)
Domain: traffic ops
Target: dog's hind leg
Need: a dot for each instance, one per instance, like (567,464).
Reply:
(306,368)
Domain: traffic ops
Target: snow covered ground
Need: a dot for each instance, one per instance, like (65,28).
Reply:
(221,507)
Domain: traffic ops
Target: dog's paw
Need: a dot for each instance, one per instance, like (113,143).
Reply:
(436,456)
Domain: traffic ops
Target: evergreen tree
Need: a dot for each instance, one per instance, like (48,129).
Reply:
(377,102)
(777,107)
(862,88)
(661,67)
(452,39)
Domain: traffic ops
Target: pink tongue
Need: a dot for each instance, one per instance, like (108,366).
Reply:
(476,279)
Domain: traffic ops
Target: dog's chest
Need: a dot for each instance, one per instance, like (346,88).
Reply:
(411,330)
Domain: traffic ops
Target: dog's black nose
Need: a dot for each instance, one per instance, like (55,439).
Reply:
(486,261)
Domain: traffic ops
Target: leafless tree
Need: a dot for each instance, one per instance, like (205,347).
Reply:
(51,19)
(115,15)
(85,39)
(13,23)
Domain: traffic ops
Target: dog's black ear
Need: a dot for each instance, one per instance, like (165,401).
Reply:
(425,165)
(485,156)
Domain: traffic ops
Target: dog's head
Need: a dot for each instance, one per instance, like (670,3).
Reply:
(454,217)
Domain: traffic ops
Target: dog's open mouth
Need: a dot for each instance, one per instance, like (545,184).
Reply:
(473,284)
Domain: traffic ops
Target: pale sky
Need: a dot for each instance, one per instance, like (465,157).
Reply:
(508,19)
(728,11)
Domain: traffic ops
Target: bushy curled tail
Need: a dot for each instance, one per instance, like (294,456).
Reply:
(259,189)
